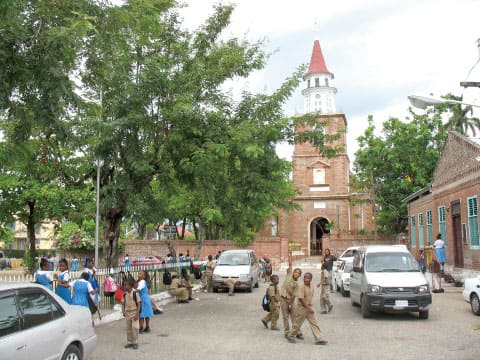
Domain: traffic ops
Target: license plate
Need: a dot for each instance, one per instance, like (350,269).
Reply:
(401,303)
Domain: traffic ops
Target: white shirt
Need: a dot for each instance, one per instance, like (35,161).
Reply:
(141,284)
(66,275)
(439,243)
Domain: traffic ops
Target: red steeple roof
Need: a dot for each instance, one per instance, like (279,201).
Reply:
(317,62)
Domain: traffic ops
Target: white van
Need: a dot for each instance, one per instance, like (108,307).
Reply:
(240,265)
(387,277)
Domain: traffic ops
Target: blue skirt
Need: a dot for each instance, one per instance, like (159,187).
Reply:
(440,252)
(64,293)
(147,310)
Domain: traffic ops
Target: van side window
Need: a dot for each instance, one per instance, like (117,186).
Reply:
(9,318)
(357,260)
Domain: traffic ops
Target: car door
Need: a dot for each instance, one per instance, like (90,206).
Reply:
(43,325)
(356,277)
(11,342)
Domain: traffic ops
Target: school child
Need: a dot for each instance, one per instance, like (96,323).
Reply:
(74,264)
(44,276)
(325,304)
(274,303)
(131,307)
(90,269)
(63,287)
(81,289)
(147,310)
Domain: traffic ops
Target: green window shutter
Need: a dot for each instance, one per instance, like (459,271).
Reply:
(472,210)
(442,223)
(420,231)
(429,227)
(413,239)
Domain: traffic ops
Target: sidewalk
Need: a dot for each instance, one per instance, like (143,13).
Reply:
(110,315)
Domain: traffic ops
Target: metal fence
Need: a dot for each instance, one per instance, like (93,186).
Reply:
(119,274)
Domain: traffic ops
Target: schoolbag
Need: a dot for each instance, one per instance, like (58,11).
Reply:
(110,285)
(265,302)
(134,297)
(197,272)
(167,277)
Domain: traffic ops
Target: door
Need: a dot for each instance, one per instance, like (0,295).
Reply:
(457,234)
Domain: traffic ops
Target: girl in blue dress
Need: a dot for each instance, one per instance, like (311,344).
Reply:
(90,269)
(75,264)
(44,276)
(81,289)
(63,287)
(147,311)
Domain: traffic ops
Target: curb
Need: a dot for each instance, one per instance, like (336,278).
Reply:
(162,298)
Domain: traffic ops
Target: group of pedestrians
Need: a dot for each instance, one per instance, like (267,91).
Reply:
(432,260)
(294,301)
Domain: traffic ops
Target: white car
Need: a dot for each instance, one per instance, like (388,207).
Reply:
(343,277)
(37,324)
(347,255)
(471,293)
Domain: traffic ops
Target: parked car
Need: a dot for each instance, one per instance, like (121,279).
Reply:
(387,277)
(346,255)
(144,261)
(471,293)
(5,263)
(343,277)
(241,265)
(37,324)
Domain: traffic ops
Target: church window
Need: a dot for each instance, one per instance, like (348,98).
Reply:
(308,83)
(326,82)
(275,226)
(318,103)
(317,82)
(319,176)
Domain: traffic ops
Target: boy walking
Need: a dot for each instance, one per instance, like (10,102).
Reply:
(274,302)
(325,304)
(304,310)
(131,305)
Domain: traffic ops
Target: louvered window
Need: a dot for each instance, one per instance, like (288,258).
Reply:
(442,223)
(413,238)
(429,227)
(420,231)
(473,221)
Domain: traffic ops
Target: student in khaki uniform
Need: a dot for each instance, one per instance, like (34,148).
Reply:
(231,286)
(186,283)
(209,273)
(273,294)
(287,296)
(178,290)
(325,304)
(304,310)
(131,306)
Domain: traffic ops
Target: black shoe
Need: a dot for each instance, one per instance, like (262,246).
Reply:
(300,337)
(134,346)
(141,331)
(264,324)
(330,308)
(321,342)
(275,328)
(190,298)
(128,346)
(157,312)
(147,330)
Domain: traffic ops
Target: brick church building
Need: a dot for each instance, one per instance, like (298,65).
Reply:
(328,217)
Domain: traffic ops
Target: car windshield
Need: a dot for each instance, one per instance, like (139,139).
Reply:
(391,262)
(234,259)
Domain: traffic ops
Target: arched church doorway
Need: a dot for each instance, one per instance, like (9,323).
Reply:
(318,228)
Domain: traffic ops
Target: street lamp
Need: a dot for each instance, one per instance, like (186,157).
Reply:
(422,102)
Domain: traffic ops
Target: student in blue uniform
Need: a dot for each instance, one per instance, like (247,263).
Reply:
(63,287)
(74,264)
(44,276)
(147,311)
(90,269)
(81,289)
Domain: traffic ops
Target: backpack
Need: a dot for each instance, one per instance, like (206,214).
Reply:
(167,277)
(134,297)
(197,272)
(110,285)
(265,302)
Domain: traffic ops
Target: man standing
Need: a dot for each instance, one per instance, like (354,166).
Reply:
(304,310)
(273,302)
(287,296)
(209,273)
(325,304)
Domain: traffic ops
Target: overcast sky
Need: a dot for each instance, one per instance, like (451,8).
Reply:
(379,51)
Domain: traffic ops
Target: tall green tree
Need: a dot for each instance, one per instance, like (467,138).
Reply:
(461,119)
(39,46)
(395,163)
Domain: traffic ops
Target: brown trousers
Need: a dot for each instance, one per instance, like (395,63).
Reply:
(325,298)
(272,315)
(302,313)
(287,315)
(132,327)
(180,293)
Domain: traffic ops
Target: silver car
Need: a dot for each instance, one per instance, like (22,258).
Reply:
(37,324)
(241,266)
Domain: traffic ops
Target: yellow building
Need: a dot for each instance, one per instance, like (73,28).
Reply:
(43,236)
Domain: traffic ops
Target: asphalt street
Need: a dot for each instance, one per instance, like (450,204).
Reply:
(217,326)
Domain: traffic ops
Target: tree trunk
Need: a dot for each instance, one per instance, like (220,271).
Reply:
(184,225)
(142,231)
(31,235)
(111,223)
(200,238)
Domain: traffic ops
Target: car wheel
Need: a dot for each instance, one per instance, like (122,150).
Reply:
(72,353)
(342,291)
(256,284)
(215,289)
(475,304)
(366,313)
(353,302)
(250,289)
(423,314)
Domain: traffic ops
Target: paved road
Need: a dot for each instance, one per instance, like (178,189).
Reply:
(221,327)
